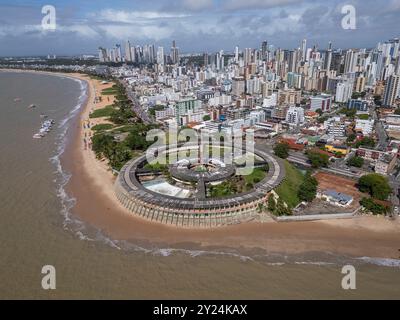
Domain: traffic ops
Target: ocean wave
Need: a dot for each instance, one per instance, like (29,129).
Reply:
(62,178)
(393,263)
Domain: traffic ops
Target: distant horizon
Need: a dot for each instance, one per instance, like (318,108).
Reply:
(196,25)
(183,53)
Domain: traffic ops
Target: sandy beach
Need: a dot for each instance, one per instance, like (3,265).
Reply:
(92,186)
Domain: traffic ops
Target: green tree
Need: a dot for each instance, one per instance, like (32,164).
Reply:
(376,185)
(308,189)
(207,118)
(351,138)
(374,207)
(357,162)
(282,150)
(365,142)
(318,160)
(282,209)
(271,203)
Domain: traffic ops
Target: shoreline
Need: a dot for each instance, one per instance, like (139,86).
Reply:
(92,185)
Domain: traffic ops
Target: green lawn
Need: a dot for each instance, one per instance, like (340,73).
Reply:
(363,116)
(257,176)
(103,127)
(289,188)
(101,113)
(109,92)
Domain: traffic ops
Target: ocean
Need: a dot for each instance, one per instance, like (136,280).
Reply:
(38,228)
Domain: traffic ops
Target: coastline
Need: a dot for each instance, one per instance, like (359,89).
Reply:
(91,184)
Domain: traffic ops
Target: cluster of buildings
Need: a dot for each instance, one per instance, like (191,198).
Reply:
(147,54)
(299,94)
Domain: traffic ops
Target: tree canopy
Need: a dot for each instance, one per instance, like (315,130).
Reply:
(308,189)
(318,160)
(282,150)
(376,185)
(357,162)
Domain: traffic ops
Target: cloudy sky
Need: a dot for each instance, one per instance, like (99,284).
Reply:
(196,25)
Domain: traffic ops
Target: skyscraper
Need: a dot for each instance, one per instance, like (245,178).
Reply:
(236,54)
(247,56)
(391,90)
(128,52)
(264,50)
(328,58)
(304,50)
(174,53)
(160,56)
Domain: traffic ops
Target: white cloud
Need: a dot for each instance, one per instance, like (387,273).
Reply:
(111,15)
(197,4)
(258,4)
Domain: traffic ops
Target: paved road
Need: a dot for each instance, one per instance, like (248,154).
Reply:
(140,112)
(381,132)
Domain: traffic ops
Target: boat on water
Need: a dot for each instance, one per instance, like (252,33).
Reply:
(32,106)
(44,129)
(17,100)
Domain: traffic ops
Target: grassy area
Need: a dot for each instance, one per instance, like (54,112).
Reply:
(101,113)
(103,127)
(257,176)
(288,190)
(109,91)
(363,116)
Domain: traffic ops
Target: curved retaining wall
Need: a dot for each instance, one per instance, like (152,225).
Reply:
(193,213)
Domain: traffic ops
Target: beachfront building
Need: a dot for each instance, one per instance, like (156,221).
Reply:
(335,198)
(185,202)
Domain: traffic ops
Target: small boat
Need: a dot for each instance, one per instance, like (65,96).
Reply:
(44,116)
(32,106)
(17,100)
(38,136)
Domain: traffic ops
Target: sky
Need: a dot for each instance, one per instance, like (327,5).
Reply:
(196,25)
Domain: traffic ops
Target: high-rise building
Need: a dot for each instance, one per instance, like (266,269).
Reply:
(328,58)
(236,54)
(359,85)
(295,116)
(248,56)
(128,52)
(304,50)
(264,50)
(174,53)
(391,90)
(344,91)
(238,86)
(103,57)
(160,56)
(350,61)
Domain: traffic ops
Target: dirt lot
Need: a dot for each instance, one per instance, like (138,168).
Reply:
(339,184)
